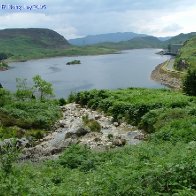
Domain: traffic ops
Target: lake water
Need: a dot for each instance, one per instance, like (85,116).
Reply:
(131,68)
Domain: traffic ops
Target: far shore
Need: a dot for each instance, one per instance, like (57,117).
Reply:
(4,68)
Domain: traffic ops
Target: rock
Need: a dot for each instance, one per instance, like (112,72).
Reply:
(116,124)
(139,137)
(18,143)
(97,139)
(69,141)
(97,117)
(77,129)
(55,151)
(119,142)
(71,130)
(23,142)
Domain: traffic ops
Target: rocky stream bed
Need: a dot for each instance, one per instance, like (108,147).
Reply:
(71,130)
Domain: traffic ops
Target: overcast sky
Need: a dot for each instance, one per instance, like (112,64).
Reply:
(78,18)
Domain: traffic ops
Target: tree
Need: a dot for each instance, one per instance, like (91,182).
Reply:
(169,47)
(5,97)
(3,56)
(23,91)
(43,89)
(189,82)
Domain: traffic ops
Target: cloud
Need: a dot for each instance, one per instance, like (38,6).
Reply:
(78,18)
(172,28)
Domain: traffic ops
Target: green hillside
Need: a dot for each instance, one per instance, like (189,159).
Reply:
(148,42)
(135,43)
(32,37)
(181,38)
(163,164)
(187,55)
(24,44)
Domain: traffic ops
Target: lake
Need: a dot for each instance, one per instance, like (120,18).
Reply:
(131,68)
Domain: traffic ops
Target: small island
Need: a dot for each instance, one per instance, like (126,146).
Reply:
(74,62)
(3,66)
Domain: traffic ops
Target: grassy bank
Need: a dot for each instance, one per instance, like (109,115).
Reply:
(3,66)
(187,55)
(23,54)
(37,53)
(165,164)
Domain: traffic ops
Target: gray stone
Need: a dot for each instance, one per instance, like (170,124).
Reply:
(119,142)
(116,124)
(77,129)
(97,117)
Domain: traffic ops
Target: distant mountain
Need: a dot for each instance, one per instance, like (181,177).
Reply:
(181,38)
(164,38)
(148,42)
(118,40)
(102,38)
(135,43)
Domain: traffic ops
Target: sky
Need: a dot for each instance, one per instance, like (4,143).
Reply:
(79,18)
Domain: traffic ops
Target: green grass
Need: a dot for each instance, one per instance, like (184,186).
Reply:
(187,53)
(36,53)
(35,116)
(131,104)
(169,115)
(23,48)
(146,169)
(165,164)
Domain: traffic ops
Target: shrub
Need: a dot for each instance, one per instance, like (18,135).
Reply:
(8,155)
(91,123)
(189,82)
(30,114)
(178,130)
(77,157)
(62,101)
(5,97)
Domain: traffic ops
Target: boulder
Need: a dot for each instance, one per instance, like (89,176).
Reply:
(77,129)
(119,142)
(23,142)
(116,124)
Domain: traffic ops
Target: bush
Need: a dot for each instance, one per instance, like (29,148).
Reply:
(156,119)
(8,155)
(62,101)
(77,157)
(189,82)
(5,97)
(92,124)
(178,130)
(30,114)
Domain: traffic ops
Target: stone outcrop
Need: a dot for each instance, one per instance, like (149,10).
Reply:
(71,130)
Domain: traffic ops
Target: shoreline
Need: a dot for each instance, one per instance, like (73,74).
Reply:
(165,77)
(48,57)
(73,55)
(4,68)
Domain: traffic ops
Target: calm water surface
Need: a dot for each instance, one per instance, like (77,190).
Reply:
(131,68)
